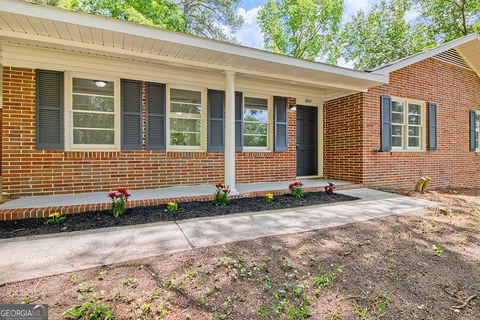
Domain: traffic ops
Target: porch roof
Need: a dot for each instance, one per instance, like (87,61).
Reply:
(51,27)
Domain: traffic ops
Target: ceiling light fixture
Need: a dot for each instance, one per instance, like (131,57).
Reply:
(100,83)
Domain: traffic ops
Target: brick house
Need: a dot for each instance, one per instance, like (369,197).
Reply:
(90,103)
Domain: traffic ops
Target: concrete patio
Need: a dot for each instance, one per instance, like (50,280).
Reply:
(31,257)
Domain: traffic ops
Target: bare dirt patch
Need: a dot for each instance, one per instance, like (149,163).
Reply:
(424,265)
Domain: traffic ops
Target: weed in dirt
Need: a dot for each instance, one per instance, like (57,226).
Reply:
(437,250)
(267,282)
(287,264)
(128,281)
(343,240)
(91,309)
(361,313)
(381,302)
(114,295)
(146,308)
(102,272)
(276,247)
(325,279)
(26,299)
(84,288)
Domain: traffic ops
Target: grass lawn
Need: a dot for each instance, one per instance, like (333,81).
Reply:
(424,265)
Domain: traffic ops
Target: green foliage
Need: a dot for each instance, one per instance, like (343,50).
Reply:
(302,28)
(159,13)
(171,207)
(437,250)
(89,310)
(206,18)
(326,278)
(450,19)
(383,35)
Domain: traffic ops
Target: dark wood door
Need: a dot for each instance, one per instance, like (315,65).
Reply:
(307,152)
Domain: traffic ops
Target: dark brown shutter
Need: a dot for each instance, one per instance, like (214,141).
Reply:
(281,124)
(386,118)
(238,121)
(131,106)
(432,126)
(49,110)
(156,104)
(216,110)
(473,131)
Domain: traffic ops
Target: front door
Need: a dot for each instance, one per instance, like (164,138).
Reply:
(307,152)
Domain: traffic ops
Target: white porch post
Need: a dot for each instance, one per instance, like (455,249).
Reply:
(230,131)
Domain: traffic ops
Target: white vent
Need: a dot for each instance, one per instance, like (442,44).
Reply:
(452,56)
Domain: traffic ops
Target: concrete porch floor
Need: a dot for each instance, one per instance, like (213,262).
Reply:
(159,193)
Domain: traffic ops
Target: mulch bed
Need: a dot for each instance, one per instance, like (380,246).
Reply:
(140,215)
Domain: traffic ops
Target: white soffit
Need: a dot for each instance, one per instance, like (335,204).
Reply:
(51,27)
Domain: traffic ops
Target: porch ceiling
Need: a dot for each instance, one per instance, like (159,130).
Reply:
(51,27)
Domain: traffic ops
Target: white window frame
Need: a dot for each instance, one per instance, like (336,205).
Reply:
(477,132)
(68,83)
(270,123)
(405,126)
(203,99)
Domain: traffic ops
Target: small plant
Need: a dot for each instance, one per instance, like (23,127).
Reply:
(268,197)
(171,207)
(55,218)
(89,310)
(330,189)
(221,194)
(437,250)
(119,200)
(296,189)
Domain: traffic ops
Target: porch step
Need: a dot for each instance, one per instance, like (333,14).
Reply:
(249,190)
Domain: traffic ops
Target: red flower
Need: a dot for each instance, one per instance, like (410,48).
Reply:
(295,184)
(220,186)
(226,190)
(120,193)
(112,195)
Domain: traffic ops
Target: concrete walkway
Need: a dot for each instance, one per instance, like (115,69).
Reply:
(31,257)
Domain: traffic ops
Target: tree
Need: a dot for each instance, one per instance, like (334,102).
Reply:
(214,19)
(450,19)
(160,13)
(302,28)
(383,35)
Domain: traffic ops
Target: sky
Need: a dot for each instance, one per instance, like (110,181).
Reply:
(249,35)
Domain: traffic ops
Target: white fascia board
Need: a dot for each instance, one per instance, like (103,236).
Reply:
(87,20)
(405,62)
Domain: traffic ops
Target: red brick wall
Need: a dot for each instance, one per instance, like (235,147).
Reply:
(343,138)
(27,171)
(455,90)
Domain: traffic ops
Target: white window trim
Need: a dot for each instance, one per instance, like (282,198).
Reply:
(68,84)
(270,124)
(423,135)
(477,130)
(203,140)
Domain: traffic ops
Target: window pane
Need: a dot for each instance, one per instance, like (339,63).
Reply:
(87,120)
(187,96)
(397,141)
(184,109)
(185,139)
(414,109)
(397,106)
(85,136)
(256,103)
(255,115)
(477,140)
(413,142)
(397,130)
(255,141)
(477,119)
(93,103)
(93,86)
(185,125)
(255,128)
(414,131)
(414,120)
(397,118)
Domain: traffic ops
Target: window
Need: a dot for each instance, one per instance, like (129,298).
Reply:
(186,117)
(92,113)
(477,131)
(256,125)
(407,125)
